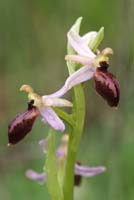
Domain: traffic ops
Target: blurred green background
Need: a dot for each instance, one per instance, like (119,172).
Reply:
(32,50)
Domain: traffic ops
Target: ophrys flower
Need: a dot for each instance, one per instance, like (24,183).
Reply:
(43,105)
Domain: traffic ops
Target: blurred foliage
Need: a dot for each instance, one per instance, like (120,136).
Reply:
(32,50)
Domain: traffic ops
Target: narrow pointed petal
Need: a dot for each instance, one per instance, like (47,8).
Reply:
(88,171)
(51,118)
(88,37)
(79,46)
(54,101)
(80,59)
(33,175)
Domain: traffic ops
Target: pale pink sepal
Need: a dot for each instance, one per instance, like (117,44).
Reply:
(33,175)
(88,171)
(83,74)
(51,118)
(59,93)
(79,45)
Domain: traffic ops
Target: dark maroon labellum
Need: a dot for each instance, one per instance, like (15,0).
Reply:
(22,124)
(77,178)
(107,86)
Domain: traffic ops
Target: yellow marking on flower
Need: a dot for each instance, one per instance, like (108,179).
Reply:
(103,56)
(32,95)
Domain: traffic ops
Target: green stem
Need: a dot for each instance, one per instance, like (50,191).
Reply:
(51,169)
(74,140)
(65,116)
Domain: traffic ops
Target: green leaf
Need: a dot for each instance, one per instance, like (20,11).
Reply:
(51,169)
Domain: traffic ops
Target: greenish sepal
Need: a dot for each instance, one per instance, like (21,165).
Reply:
(93,44)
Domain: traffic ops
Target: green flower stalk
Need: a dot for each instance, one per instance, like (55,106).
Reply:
(79,118)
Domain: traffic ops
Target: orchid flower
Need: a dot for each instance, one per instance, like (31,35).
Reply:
(22,123)
(92,66)
(61,153)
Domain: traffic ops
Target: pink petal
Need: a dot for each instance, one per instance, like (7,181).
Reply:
(88,171)
(80,59)
(51,118)
(54,101)
(79,46)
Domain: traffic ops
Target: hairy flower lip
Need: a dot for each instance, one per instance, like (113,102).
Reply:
(21,125)
(107,86)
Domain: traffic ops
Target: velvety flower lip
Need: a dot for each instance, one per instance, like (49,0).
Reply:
(80,170)
(107,86)
(22,124)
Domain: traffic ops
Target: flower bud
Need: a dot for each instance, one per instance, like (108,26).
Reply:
(22,124)
(106,85)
